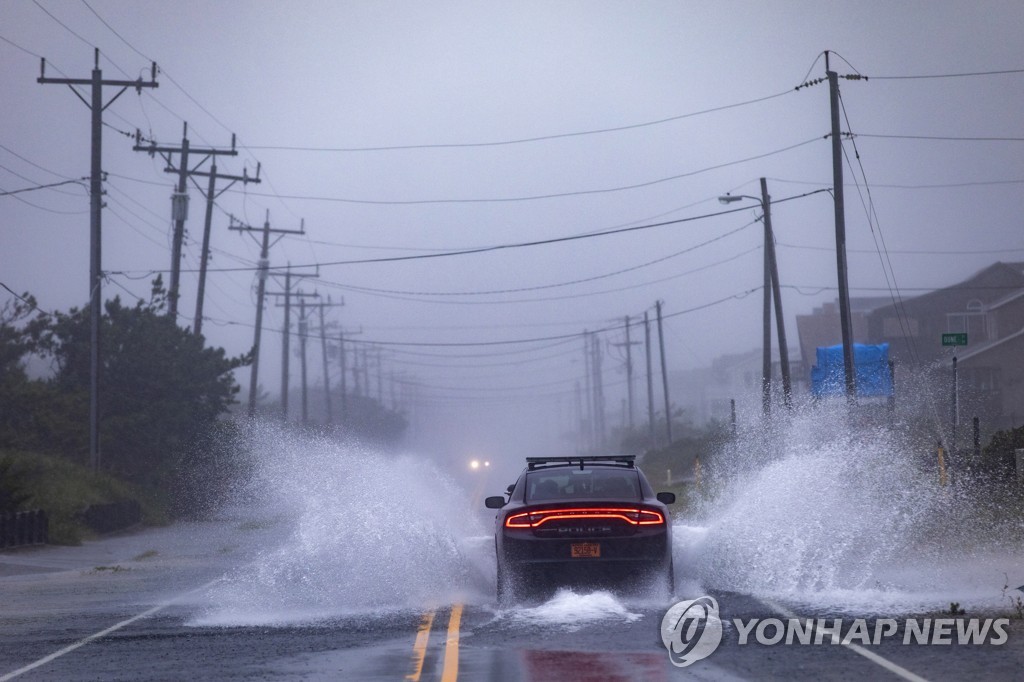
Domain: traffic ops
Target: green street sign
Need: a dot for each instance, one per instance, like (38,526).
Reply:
(954,339)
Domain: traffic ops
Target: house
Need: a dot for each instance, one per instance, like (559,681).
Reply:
(975,306)
(989,308)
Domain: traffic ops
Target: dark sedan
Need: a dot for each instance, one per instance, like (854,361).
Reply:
(581,520)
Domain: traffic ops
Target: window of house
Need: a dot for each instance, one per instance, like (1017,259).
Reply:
(974,322)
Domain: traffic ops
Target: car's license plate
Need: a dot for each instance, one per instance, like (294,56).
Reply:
(581,550)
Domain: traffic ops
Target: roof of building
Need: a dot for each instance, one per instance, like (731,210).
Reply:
(986,347)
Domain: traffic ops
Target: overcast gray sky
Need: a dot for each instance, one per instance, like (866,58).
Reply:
(310,87)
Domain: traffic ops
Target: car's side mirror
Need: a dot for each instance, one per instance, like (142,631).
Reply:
(496,502)
(666,498)
(510,488)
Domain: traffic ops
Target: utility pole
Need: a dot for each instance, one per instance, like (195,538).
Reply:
(286,343)
(327,375)
(578,405)
(344,372)
(286,331)
(96,107)
(588,378)
(766,325)
(323,352)
(356,352)
(596,355)
(664,377)
(303,333)
(264,268)
(837,187)
(629,373)
(211,195)
(179,200)
(650,379)
(380,380)
(780,323)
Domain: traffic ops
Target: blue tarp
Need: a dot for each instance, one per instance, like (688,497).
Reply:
(871,371)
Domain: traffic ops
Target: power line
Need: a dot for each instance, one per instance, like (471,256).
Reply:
(25,201)
(545,298)
(47,186)
(966,74)
(33,163)
(36,183)
(25,50)
(948,138)
(913,252)
(880,246)
(557,284)
(535,197)
(516,245)
(25,300)
(951,185)
(66,27)
(522,140)
(559,337)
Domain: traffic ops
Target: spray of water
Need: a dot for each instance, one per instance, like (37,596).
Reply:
(569,610)
(826,511)
(353,531)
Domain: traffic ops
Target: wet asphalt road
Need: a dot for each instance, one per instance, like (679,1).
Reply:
(138,596)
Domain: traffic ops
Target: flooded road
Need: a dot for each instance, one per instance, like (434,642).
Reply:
(335,563)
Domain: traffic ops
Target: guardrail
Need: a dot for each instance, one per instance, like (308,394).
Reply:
(18,529)
(107,518)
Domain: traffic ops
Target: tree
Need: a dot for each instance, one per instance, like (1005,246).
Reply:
(30,417)
(12,487)
(998,457)
(160,385)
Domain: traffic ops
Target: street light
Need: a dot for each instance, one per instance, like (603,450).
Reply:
(771,290)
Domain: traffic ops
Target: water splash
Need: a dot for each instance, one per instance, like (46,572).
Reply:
(569,611)
(840,516)
(356,531)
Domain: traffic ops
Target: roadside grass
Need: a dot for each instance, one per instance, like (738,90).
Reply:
(63,489)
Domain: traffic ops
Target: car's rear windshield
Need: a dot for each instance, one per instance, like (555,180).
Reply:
(575,484)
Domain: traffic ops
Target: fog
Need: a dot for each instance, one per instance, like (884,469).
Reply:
(400,129)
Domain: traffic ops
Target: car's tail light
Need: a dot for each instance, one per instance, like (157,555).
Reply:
(633,515)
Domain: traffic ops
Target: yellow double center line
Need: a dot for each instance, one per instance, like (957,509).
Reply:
(450,670)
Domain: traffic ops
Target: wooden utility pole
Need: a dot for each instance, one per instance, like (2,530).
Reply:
(766,336)
(840,213)
(664,377)
(599,406)
(96,107)
(328,407)
(303,334)
(211,195)
(261,276)
(629,374)
(286,330)
(588,379)
(650,380)
(179,200)
(780,323)
(344,372)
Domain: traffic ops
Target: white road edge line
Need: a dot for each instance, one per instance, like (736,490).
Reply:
(103,633)
(895,669)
